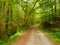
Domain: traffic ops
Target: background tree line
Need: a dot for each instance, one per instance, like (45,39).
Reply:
(17,14)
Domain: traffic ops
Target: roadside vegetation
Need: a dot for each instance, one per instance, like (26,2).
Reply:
(17,16)
(50,19)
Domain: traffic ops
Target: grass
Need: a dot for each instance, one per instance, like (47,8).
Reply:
(53,36)
(11,38)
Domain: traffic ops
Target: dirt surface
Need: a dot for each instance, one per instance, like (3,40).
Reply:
(21,40)
(33,37)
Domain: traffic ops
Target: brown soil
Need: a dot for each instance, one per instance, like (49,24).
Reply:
(33,37)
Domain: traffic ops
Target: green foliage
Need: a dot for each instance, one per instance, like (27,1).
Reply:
(49,18)
(11,38)
(54,36)
(21,14)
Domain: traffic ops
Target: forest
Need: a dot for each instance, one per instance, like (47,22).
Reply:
(16,16)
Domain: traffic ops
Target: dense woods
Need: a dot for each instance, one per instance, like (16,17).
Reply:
(18,14)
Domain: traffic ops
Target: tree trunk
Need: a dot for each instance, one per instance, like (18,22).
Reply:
(55,7)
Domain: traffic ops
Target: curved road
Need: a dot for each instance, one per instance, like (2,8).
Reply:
(33,37)
(38,38)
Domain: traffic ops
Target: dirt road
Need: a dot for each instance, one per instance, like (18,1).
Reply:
(33,37)
(38,38)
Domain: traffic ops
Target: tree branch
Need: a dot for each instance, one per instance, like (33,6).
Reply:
(33,7)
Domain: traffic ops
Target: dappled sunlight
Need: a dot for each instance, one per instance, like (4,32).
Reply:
(29,19)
